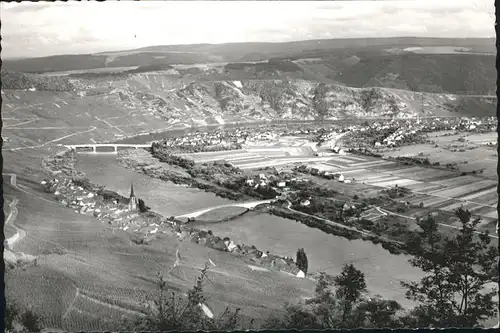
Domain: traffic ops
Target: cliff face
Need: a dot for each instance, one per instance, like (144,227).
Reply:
(217,102)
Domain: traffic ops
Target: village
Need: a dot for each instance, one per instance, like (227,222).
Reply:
(144,226)
(398,132)
(367,135)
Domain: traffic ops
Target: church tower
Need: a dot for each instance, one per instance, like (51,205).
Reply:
(132,204)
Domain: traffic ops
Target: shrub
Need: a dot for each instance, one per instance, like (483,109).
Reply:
(27,319)
(184,314)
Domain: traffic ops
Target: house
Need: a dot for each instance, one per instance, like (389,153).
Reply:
(262,176)
(305,203)
(231,246)
(281,184)
(341,178)
(250,182)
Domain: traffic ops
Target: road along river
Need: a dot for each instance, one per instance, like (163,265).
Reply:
(325,252)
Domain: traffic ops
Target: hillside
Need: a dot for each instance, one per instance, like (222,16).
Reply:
(184,101)
(38,110)
(102,275)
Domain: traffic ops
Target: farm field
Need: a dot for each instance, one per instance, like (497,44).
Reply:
(476,155)
(439,189)
(490,198)
(444,188)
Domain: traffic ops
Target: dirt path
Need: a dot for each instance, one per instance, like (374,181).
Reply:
(70,307)
(20,234)
(325,220)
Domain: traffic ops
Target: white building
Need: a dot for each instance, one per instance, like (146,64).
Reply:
(301,274)
(305,202)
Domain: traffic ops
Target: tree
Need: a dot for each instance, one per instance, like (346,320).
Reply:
(453,293)
(11,313)
(142,206)
(328,310)
(30,321)
(350,285)
(378,313)
(301,261)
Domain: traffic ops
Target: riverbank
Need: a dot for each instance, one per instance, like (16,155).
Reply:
(394,247)
(142,161)
(144,228)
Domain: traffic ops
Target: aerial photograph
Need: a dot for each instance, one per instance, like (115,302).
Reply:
(249,165)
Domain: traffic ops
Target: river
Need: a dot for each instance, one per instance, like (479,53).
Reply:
(325,252)
(165,198)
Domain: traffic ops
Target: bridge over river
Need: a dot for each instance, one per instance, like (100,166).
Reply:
(115,146)
(249,205)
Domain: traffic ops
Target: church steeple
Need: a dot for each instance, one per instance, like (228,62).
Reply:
(132,205)
(132,190)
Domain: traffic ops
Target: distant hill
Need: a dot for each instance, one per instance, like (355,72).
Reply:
(238,52)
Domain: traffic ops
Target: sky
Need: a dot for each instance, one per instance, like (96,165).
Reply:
(40,29)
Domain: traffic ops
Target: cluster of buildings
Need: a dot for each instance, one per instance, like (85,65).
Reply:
(207,139)
(85,202)
(233,137)
(400,129)
(263,180)
(250,252)
(316,171)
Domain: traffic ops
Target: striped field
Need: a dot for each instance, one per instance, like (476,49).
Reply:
(435,188)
